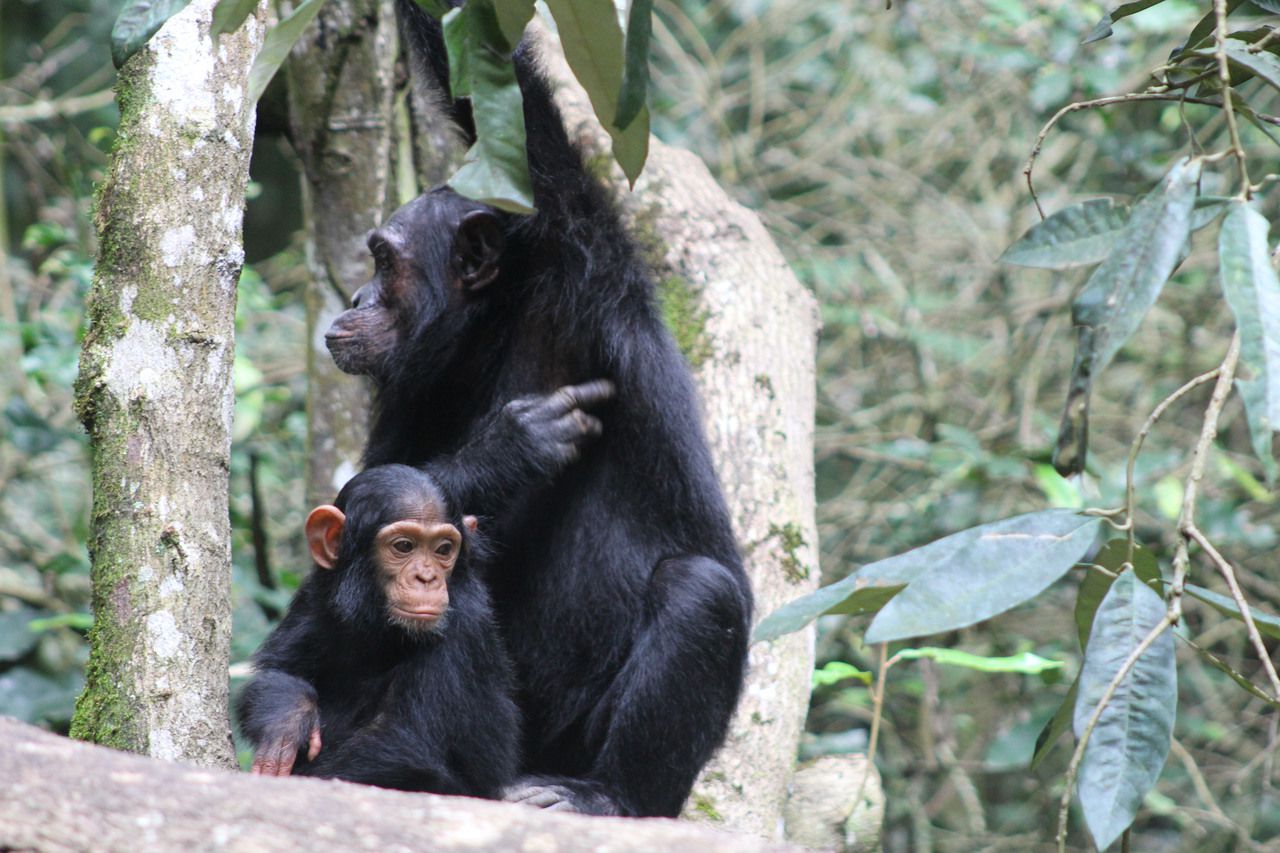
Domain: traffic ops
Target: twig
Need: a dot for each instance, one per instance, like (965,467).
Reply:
(61,107)
(1224,75)
(1106,102)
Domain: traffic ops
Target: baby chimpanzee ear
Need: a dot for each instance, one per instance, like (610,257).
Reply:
(477,250)
(324,529)
(471,523)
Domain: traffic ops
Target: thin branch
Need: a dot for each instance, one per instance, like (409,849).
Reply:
(61,107)
(1224,76)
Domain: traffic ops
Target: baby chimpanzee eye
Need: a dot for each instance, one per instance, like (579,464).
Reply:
(444,549)
(403,546)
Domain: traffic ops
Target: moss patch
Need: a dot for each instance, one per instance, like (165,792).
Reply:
(792,540)
(685,318)
(706,807)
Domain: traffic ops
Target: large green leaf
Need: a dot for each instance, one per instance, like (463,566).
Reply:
(1263,64)
(1118,295)
(1130,743)
(1076,236)
(593,45)
(865,590)
(1253,291)
(276,45)
(635,74)
(228,15)
(991,569)
(1095,585)
(137,22)
(1103,28)
(496,169)
(513,16)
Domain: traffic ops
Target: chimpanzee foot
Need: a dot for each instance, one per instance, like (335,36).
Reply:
(562,794)
(553,798)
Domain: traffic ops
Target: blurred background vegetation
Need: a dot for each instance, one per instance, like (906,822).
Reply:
(884,148)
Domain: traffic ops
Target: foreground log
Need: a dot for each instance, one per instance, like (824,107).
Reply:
(60,795)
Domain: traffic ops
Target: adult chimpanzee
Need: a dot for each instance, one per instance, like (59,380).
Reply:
(388,668)
(619,586)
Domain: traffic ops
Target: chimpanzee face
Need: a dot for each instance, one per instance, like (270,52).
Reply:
(415,557)
(428,258)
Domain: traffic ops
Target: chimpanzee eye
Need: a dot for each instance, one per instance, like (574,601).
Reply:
(403,546)
(444,549)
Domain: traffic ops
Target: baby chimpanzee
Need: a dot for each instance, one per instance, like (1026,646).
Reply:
(388,668)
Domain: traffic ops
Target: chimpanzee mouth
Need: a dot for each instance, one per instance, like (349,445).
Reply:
(417,615)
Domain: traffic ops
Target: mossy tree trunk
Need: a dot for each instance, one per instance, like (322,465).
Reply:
(155,394)
(341,103)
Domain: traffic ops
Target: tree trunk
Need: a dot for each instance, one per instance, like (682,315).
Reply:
(57,795)
(155,394)
(341,97)
(749,330)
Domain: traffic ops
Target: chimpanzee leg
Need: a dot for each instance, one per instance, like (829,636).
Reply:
(670,704)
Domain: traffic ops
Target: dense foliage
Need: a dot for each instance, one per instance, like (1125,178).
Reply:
(886,149)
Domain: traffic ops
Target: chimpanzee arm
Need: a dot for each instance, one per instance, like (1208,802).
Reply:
(523,444)
(389,756)
(278,710)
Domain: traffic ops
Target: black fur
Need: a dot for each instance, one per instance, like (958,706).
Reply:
(619,588)
(429,712)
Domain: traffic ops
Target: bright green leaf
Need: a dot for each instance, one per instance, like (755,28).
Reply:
(137,22)
(837,671)
(1252,289)
(1075,236)
(279,40)
(635,74)
(1058,490)
(1118,295)
(1130,742)
(1025,663)
(228,15)
(991,569)
(1103,28)
(79,621)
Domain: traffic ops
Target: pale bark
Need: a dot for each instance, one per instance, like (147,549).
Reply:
(341,77)
(57,795)
(749,329)
(155,394)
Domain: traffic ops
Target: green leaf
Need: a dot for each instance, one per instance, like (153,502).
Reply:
(989,570)
(1130,743)
(1025,663)
(1266,622)
(496,169)
(79,621)
(837,671)
(1207,25)
(1056,727)
(635,73)
(1076,236)
(1263,64)
(1095,585)
(16,636)
(1103,28)
(1118,295)
(1252,289)
(513,16)
(279,40)
(1058,490)
(228,15)
(593,46)
(137,22)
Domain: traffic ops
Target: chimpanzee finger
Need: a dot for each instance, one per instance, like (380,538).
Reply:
(274,760)
(313,748)
(583,396)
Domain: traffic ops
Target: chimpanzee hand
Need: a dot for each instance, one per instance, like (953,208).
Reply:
(278,746)
(550,430)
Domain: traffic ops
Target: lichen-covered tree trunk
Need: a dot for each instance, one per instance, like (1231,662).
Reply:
(341,101)
(155,394)
(749,330)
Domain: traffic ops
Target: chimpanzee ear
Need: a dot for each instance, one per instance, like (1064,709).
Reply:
(471,523)
(477,250)
(324,529)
